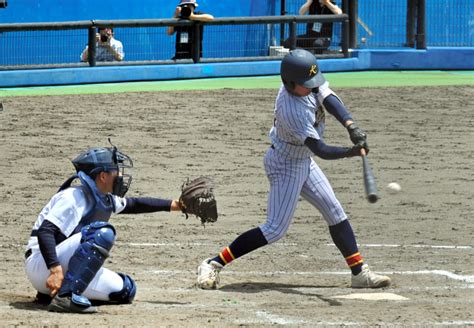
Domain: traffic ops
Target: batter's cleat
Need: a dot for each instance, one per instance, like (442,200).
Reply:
(208,274)
(74,304)
(368,279)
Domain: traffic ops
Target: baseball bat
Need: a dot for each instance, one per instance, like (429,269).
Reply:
(369,179)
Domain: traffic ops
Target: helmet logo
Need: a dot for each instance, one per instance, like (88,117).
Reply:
(313,70)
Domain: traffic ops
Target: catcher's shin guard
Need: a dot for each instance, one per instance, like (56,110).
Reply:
(96,242)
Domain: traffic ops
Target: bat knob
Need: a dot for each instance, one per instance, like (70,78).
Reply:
(373,198)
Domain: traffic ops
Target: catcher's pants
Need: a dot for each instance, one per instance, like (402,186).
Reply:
(290,178)
(104,282)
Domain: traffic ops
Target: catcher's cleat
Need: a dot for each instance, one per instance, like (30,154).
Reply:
(368,279)
(72,304)
(43,299)
(208,274)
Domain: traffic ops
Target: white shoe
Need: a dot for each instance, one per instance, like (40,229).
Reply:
(208,274)
(368,279)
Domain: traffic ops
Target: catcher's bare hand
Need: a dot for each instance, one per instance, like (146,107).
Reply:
(55,279)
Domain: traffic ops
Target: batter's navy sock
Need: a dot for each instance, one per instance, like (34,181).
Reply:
(344,238)
(243,244)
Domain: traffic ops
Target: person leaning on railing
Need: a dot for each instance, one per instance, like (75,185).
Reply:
(107,48)
(185,34)
(318,35)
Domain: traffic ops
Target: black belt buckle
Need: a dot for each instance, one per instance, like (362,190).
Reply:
(28,253)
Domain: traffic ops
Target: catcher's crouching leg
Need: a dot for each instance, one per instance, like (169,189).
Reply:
(96,242)
(127,294)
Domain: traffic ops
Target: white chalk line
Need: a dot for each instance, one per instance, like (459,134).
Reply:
(454,323)
(399,289)
(411,246)
(445,273)
(177,244)
(188,244)
(265,317)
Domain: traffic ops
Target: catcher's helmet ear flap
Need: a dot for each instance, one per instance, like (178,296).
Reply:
(300,67)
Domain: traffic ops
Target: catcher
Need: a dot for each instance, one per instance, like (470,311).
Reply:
(72,236)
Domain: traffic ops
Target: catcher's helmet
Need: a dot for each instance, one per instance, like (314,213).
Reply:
(106,159)
(299,66)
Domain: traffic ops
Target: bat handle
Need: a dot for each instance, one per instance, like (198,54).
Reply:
(362,152)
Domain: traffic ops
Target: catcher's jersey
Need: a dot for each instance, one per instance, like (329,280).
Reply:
(296,119)
(66,209)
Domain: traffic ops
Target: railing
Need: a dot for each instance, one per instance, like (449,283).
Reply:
(38,45)
(402,23)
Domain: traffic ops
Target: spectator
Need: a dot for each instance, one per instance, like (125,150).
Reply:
(185,35)
(107,47)
(318,35)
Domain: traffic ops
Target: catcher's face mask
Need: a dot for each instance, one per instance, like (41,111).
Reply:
(124,177)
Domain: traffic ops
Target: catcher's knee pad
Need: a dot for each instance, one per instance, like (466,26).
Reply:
(127,294)
(96,242)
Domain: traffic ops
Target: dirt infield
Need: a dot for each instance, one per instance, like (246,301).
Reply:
(420,137)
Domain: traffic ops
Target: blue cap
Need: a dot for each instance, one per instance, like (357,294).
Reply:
(188,2)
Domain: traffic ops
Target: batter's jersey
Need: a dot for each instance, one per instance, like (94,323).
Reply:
(66,209)
(296,119)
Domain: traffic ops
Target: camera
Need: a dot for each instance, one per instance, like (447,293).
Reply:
(104,38)
(3,3)
(186,11)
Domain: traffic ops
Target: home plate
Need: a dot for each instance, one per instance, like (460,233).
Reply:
(373,297)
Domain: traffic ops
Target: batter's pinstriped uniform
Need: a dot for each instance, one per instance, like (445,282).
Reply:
(290,167)
(297,135)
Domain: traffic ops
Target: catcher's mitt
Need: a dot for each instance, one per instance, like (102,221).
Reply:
(197,197)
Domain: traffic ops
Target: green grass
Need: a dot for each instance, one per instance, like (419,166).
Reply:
(337,80)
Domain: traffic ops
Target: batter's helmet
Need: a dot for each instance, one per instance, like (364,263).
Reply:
(299,66)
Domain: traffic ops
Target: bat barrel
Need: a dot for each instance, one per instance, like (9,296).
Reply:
(369,181)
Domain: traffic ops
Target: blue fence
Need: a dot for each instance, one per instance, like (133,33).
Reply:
(382,26)
(449,23)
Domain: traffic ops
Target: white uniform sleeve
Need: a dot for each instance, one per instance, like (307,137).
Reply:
(119,204)
(324,92)
(67,210)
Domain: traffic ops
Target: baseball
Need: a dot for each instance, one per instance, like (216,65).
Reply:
(393,187)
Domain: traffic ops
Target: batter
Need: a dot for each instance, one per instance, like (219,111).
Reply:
(297,134)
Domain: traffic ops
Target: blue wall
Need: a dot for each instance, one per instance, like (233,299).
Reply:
(447,25)
(383,59)
(145,44)
(26,11)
